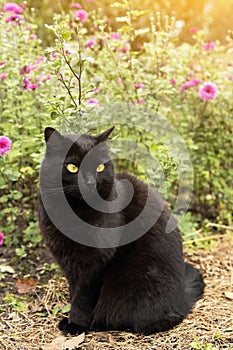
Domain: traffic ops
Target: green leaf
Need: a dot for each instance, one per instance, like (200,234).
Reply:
(195,345)
(66,308)
(6,269)
(21,252)
(55,310)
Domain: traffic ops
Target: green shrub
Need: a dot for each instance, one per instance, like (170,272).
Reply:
(93,76)
(24,78)
(162,78)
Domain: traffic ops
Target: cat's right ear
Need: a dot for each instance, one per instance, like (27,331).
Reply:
(104,135)
(48,132)
(52,137)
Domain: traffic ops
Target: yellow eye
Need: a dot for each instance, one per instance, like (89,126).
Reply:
(72,168)
(100,168)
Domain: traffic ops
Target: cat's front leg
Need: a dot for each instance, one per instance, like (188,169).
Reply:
(83,302)
(68,327)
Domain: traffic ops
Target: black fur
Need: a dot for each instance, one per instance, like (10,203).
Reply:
(144,286)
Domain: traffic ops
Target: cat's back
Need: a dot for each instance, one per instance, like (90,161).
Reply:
(145,198)
(154,215)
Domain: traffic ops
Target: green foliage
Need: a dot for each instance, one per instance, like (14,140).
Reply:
(211,15)
(17,303)
(112,67)
(93,71)
(22,115)
(65,309)
(201,346)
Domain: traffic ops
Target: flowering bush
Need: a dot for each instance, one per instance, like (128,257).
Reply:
(91,65)
(23,80)
(190,85)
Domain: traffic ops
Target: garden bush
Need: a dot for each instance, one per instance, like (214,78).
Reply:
(89,71)
(23,79)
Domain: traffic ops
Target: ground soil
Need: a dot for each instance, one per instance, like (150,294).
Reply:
(32,327)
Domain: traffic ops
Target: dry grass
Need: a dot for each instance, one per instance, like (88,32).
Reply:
(211,321)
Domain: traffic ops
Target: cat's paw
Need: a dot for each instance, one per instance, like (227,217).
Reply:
(70,328)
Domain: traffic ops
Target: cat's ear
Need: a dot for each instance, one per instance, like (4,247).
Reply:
(104,135)
(49,131)
(56,139)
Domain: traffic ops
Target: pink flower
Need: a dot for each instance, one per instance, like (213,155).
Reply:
(125,48)
(2,64)
(28,85)
(231,78)
(139,86)
(54,54)
(68,52)
(33,37)
(44,77)
(26,70)
(189,84)
(195,82)
(210,45)
(208,91)
(194,30)
(1,238)
(185,86)
(16,19)
(5,145)
(23,5)
(92,102)
(90,43)
(40,59)
(3,76)
(12,7)
(115,36)
(141,100)
(172,82)
(81,15)
(76,6)
(97,89)
(119,80)
(31,87)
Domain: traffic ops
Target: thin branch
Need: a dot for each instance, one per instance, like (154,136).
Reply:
(80,74)
(219,226)
(61,79)
(68,63)
(203,239)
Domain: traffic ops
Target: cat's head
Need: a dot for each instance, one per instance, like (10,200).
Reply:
(81,161)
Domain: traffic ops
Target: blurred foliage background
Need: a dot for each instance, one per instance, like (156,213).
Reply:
(52,66)
(213,16)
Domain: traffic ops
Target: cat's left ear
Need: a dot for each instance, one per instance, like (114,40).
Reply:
(54,142)
(104,135)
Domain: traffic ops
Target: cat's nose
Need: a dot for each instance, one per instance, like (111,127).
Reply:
(91,184)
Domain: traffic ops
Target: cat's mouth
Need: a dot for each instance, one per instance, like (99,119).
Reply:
(75,192)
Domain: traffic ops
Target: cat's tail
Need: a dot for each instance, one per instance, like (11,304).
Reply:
(194,284)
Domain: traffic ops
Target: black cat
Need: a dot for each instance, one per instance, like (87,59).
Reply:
(143,286)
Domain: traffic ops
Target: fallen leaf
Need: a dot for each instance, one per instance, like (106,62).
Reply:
(26,285)
(62,343)
(56,344)
(71,344)
(229,295)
